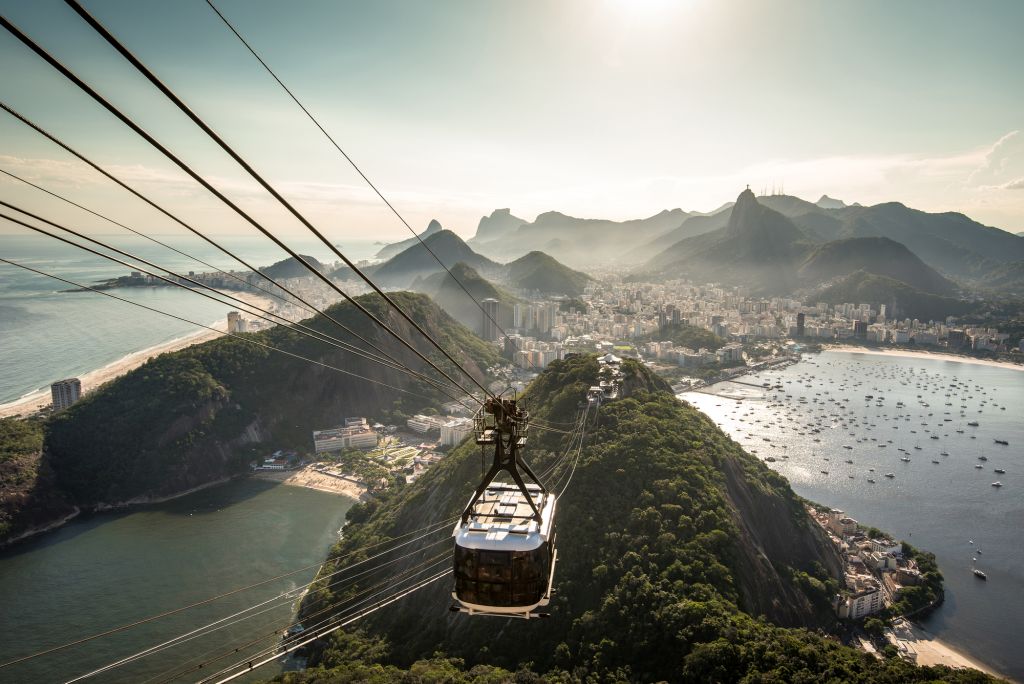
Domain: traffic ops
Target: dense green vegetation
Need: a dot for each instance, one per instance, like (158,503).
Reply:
(202,414)
(20,438)
(27,494)
(690,336)
(900,298)
(925,595)
(680,557)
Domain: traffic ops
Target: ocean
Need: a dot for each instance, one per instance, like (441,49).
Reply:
(47,334)
(949,508)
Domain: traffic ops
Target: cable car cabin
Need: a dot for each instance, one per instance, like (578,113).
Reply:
(505,558)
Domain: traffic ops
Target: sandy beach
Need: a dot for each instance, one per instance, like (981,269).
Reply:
(314,479)
(915,354)
(36,401)
(934,651)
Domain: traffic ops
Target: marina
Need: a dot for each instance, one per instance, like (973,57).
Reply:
(879,412)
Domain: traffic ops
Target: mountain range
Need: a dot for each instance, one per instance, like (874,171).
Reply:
(575,241)
(973,256)
(415,267)
(781,245)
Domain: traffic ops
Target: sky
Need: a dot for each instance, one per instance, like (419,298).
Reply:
(598,108)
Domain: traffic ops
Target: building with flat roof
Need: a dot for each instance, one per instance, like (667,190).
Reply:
(490,328)
(423,424)
(355,435)
(455,430)
(65,392)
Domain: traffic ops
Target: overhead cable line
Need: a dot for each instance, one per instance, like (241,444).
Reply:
(322,633)
(299,327)
(186,225)
(134,61)
(141,234)
(576,461)
(208,327)
(242,615)
(391,584)
(353,164)
(86,88)
(439,525)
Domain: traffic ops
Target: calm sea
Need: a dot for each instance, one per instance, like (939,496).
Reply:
(949,508)
(99,573)
(47,334)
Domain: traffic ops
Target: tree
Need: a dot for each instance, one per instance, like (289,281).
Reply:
(874,627)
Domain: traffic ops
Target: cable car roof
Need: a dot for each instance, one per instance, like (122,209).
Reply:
(502,520)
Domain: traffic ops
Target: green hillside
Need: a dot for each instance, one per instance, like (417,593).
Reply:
(192,417)
(450,296)
(686,336)
(681,558)
(543,273)
(877,255)
(901,300)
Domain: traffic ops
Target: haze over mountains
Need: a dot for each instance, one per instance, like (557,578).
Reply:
(774,245)
(762,243)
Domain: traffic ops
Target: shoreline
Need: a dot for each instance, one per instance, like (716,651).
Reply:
(923,354)
(103,508)
(931,650)
(39,400)
(310,478)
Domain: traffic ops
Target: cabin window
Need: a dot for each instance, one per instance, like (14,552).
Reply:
(501,578)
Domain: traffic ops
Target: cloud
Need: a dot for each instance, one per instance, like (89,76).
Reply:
(1003,163)
(1013,185)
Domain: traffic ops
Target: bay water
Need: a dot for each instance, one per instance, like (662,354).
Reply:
(101,572)
(938,500)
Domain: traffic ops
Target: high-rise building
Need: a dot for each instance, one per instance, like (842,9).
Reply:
(65,393)
(490,318)
(860,330)
(234,321)
(800,325)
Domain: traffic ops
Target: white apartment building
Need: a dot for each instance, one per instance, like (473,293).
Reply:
(65,392)
(866,600)
(423,424)
(455,430)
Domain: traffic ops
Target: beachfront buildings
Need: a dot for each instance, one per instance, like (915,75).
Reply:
(863,598)
(356,434)
(65,392)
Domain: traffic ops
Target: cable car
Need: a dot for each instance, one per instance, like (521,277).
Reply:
(505,552)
